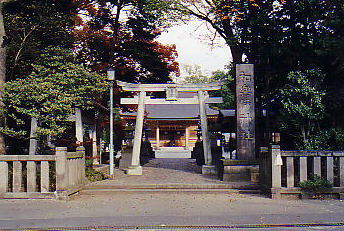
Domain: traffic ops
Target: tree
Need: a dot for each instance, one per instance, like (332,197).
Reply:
(227,91)
(42,34)
(32,27)
(279,37)
(303,105)
(8,55)
(2,74)
(121,34)
(51,92)
(194,74)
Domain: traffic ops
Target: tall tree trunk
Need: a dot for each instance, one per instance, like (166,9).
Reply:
(2,77)
(303,133)
(236,54)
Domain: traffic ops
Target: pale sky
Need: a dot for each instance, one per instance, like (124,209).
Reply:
(193,46)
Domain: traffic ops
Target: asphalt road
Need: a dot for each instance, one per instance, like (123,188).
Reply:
(173,211)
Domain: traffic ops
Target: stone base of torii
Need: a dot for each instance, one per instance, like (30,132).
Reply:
(171,90)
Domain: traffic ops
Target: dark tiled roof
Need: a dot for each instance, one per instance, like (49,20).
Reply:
(184,111)
(227,112)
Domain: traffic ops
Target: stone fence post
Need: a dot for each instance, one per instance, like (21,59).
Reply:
(61,169)
(3,176)
(276,174)
(81,150)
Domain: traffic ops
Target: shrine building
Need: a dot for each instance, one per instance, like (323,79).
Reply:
(173,129)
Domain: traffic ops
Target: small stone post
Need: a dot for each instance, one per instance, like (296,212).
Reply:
(17,176)
(3,176)
(78,125)
(81,150)
(186,138)
(61,169)
(33,138)
(93,136)
(341,171)
(157,137)
(31,165)
(276,174)
(31,176)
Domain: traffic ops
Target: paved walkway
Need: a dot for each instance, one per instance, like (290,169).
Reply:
(165,171)
(161,210)
(146,211)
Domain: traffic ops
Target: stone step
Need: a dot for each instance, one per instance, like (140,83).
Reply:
(96,192)
(173,154)
(237,186)
(172,149)
(110,187)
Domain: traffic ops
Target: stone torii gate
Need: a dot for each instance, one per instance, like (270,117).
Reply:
(171,98)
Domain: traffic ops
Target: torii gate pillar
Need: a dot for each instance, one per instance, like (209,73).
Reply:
(135,167)
(208,168)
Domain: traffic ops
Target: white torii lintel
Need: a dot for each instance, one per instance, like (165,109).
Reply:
(149,100)
(162,87)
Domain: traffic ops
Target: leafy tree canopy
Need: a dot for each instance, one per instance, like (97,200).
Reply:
(196,75)
(52,91)
(32,26)
(122,34)
(303,104)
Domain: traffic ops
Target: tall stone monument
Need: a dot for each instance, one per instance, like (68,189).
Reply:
(245,112)
(246,167)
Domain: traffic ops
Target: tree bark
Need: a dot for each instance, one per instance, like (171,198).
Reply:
(2,77)
(236,54)
(233,44)
(303,133)
(2,74)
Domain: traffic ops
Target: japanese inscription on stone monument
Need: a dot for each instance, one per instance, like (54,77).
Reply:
(245,112)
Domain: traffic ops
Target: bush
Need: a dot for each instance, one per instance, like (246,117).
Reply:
(315,186)
(93,175)
(328,139)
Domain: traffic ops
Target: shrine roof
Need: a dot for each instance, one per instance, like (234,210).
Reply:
(173,112)
(184,111)
(227,112)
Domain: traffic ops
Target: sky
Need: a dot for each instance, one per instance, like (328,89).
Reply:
(193,45)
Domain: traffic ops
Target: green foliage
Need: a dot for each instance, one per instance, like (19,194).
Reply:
(302,102)
(50,93)
(227,90)
(326,139)
(302,96)
(315,185)
(122,34)
(93,175)
(194,74)
(33,25)
(279,37)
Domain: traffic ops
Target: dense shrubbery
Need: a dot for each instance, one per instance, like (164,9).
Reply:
(93,175)
(330,139)
(315,186)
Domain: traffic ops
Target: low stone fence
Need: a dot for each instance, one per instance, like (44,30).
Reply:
(42,176)
(282,171)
